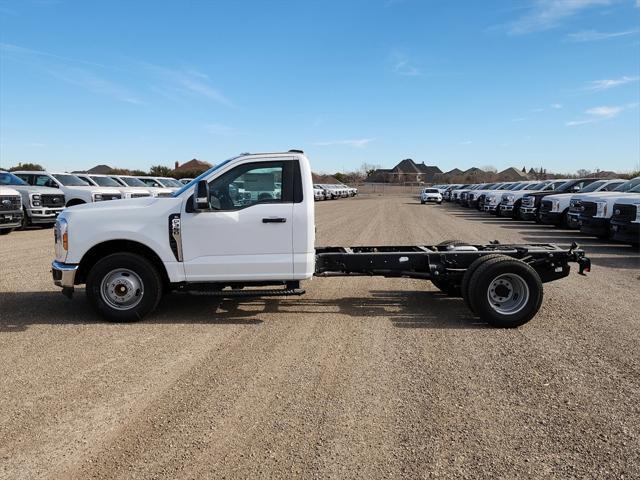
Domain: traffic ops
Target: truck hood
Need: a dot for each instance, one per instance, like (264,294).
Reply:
(8,191)
(36,189)
(118,206)
(91,188)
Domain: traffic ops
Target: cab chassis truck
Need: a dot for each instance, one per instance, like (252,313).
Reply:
(205,241)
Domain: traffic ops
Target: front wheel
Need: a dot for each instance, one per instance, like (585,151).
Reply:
(505,292)
(124,287)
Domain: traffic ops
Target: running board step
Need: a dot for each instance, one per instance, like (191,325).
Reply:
(279,292)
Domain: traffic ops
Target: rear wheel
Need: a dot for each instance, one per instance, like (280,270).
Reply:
(124,287)
(505,292)
(466,278)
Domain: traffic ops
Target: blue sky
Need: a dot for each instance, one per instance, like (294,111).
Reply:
(551,83)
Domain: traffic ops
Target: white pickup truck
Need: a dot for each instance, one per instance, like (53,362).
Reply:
(213,238)
(76,190)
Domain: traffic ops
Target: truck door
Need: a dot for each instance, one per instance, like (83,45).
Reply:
(248,234)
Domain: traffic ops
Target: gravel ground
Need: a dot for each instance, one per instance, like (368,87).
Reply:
(361,377)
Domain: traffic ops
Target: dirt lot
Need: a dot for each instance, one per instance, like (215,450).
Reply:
(361,377)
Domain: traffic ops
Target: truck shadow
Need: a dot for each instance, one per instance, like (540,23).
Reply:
(404,309)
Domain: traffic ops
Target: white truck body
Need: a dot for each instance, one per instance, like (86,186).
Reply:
(216,246)
(10,209)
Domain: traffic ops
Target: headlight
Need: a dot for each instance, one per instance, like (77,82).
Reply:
(573,203)
(510,198)
(36,200)
(601,210)
(555,205)
(637,220)
(61,237)
(97,197)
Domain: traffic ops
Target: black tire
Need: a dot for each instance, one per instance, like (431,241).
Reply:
(422,203)
(6,231)
(481,285)
(147,274)
(25,220)
(537,218)
(464,286)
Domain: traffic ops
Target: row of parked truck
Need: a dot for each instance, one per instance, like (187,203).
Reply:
(36,198)
(323,191)
(605,208)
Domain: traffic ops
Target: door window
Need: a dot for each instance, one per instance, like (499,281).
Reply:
(44,181)
(248,185)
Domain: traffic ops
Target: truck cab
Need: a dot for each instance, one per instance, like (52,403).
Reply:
(208,231)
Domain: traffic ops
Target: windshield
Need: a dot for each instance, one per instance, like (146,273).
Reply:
(522,186)
(105,181)
(133,182)
(593,187)
(70,180)
(538,186)
(630,185)
(202,176)
(431,190)
(7,178)
(170,182)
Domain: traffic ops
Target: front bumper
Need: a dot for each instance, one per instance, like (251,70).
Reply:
(627,232)
(490,208)
(528,213)
(594,225)
(11,219)
(573,220)
(506,208)
(551,218)
(43,215)
(64,274)
(431,199)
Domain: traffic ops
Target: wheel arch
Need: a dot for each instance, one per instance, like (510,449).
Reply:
(74,201)
(101,250)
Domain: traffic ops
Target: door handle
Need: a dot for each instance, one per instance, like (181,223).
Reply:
(274,220)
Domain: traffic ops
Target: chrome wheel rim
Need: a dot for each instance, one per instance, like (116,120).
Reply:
(508,294)
(122,289)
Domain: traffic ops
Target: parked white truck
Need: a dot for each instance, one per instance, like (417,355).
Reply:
(40,205)
(10,210)
(75,190)
(207,237)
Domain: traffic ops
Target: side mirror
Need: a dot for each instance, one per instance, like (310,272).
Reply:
(201,201)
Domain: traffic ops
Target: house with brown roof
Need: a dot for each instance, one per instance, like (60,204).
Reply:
(192,166)
(407,171)
(512,174)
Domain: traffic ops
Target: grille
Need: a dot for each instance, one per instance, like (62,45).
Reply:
(588,209)
(10,203)
(627,212)
(111,196)
(545,206)
(575,205)
(52,201)
(528,202)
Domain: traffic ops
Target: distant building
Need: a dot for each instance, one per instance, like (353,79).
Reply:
(191,166)
(512,174)
(407,171)
(100,170)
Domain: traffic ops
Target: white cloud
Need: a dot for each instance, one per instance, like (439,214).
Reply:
(466,142)
(519,119)
(403,66)
(88,80)
(598,114)
(556,106)
(595,36)
(548,14)
(190,81)
(358,143)
(599,85)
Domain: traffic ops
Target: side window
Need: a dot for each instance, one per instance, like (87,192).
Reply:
(43,181)
(26,178)
(250,184)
